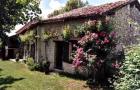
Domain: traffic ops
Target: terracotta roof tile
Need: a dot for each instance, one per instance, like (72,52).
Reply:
(80,12)
(27,26)
(90,10)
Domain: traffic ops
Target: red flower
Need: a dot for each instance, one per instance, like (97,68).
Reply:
(102,34)
(116,65)
(97,41)
(106,41)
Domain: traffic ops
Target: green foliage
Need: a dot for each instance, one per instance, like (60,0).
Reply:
(56,12)
(93,26)
(66,33)
(26,1)
(73,4)
(80,30)
(46,36)
(34,66)
(49,35)
(28,36)
(100,25)
(15,12)
(130,70)
(70,5)
(31,64)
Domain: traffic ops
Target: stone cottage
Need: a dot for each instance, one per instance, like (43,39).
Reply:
(124,15)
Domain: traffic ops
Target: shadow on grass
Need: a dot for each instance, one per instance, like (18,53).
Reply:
(5,81)
(72,76)
(100,88)
(80,77)
(4,87)
(0,69)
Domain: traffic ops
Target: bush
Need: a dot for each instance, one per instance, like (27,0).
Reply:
(42,66)
(130,71)
(32,65)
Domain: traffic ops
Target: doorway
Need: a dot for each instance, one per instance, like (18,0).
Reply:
(62,53)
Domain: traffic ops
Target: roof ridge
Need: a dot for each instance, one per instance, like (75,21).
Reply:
(80,13)
(121,1)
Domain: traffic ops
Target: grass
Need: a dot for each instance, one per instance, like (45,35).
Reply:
(16,76)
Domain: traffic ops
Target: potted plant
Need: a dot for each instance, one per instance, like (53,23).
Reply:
(46,65)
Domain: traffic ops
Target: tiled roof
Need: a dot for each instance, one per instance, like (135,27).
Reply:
(80,12)
(90,10)
(27,26)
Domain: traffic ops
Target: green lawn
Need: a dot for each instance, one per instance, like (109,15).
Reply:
(16,76)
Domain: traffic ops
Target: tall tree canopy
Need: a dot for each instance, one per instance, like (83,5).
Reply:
(17,12)
(71,4)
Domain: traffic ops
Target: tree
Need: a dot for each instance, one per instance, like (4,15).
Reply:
(70,5)
(17,12)
(73,4)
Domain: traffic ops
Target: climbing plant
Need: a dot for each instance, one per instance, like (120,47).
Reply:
(28,36)
(66,34)
(49,35)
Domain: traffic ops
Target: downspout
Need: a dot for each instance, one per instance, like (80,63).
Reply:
(37,44)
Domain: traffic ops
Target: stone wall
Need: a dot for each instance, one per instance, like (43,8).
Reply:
(121,25)
(126,25)
(135,24)
(49,52)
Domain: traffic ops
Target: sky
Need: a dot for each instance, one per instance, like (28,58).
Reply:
(48,6)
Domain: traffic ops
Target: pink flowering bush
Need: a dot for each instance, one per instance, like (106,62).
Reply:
(93,49)
(79,57)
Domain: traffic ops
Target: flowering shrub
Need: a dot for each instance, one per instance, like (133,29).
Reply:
(93,49)
(79,57)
